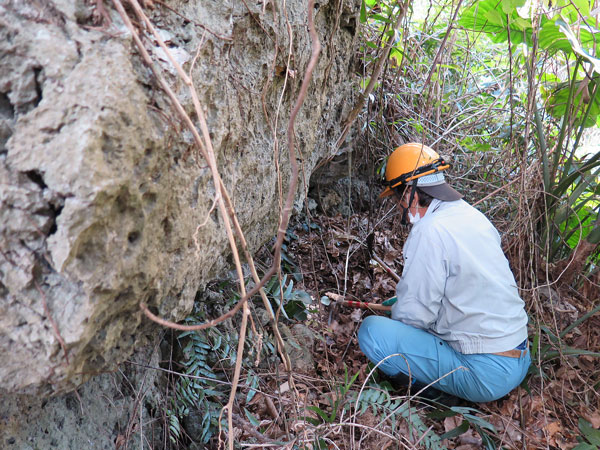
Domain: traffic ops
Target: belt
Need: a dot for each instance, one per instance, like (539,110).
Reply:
(514,353)
(521,350)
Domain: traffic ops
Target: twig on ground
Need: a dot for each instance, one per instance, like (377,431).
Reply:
(249,429)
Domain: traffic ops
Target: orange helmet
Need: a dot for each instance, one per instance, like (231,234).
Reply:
(410,162)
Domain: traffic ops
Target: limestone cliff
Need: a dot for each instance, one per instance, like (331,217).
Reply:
(105,202)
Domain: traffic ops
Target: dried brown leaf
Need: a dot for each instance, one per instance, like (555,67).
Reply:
(592,417)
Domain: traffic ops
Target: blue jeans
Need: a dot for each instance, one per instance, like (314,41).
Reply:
(480,377)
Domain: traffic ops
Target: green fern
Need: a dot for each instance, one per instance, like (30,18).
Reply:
(381,403)
(202,351)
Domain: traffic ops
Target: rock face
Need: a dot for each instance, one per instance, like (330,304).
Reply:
(105,202)
(109,412)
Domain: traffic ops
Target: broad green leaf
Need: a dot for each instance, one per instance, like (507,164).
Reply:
(556,102)
(381,18)
(253,420)
(552,39)
(585,446)
(485,147)
(580,225)
(253,379)
(581,47)
(520,23)
(494,17)
(487,16)
(590,433)
(510,5)
(303,296)
(548,77)
(475,420)
(319,412)
(363,12)
(297,310)
(572,9)
(288,291)
(462,428)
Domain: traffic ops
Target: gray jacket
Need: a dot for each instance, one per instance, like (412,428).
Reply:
(457,283)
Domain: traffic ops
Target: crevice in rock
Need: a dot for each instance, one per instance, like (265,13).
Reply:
(55,206)
(133,237)
(349,25)
(37,73)
(7,110)
(3,290)
(37,178)
(7,116)
(167,227)
(55,210)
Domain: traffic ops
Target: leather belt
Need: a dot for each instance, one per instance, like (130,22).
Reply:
(514,353)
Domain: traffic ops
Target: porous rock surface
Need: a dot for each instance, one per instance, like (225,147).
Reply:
(104,200)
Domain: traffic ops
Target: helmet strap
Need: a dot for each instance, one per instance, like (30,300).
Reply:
(404,220)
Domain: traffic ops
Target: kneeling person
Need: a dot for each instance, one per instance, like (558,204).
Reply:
(458,318)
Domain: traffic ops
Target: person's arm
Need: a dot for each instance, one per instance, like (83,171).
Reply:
(421,288)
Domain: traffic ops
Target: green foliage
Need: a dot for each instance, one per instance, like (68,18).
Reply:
(577,227)
(485,429)
(556,35)
(378,399)
(570,182)
(547,346)
(293,302)
(499,19)
(589,434)
(200,390)
(573,200)
(377,17)
(337,400)
(558,99)
(530,68)
(204,388)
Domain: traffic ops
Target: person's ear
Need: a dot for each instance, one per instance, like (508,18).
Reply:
(416,200)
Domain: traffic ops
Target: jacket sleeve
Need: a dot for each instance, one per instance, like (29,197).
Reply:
(421,289)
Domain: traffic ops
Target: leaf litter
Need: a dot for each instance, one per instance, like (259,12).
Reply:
(333,254)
